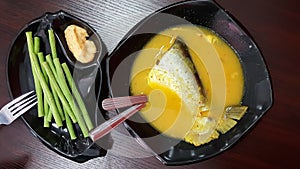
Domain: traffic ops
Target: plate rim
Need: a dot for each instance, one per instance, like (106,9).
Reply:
(244,30)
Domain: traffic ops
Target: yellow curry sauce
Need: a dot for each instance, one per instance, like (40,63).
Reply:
(165,110)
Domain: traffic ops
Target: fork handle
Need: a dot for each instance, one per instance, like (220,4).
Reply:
(107,126)
(3,120)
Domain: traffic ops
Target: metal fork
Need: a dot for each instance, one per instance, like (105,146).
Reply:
(17,107)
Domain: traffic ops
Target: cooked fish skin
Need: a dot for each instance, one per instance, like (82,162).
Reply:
(175,70)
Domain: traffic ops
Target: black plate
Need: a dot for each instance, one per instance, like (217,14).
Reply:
(87,76)
(258,92)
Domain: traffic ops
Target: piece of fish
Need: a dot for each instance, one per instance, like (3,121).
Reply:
(175,70)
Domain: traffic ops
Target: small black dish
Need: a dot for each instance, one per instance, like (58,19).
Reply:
(86,76)
(258,92)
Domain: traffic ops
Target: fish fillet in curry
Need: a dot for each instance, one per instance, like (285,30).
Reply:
(180,96)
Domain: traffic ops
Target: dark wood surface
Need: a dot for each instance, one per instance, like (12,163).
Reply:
(274,24)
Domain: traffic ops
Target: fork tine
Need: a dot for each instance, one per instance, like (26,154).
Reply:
(24,108)
(16,105)
(22,104)
(16,100)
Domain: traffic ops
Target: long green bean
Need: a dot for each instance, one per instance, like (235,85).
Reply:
(36,43)
(39,95)
(52,43)
(46,111)
(38,88)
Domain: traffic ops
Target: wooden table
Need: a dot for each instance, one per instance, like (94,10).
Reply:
(274,24)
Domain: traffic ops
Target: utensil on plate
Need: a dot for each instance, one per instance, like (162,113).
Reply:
(17,107)
(125,101)
(110,124)
(202,13)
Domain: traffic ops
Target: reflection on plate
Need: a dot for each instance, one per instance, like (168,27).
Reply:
(87,76)
(257,90)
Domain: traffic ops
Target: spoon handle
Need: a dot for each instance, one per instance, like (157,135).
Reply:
(120,102)
(110,124)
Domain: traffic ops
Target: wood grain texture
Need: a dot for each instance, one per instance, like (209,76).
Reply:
(272,143)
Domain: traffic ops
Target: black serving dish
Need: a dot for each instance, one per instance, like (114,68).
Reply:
(88,77)
(258,92)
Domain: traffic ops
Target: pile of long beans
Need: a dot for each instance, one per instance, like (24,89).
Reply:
(57,95)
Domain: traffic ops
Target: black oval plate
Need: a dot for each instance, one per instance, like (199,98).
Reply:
(20,80)
(258,92)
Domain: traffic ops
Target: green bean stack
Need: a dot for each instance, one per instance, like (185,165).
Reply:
(57,94)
